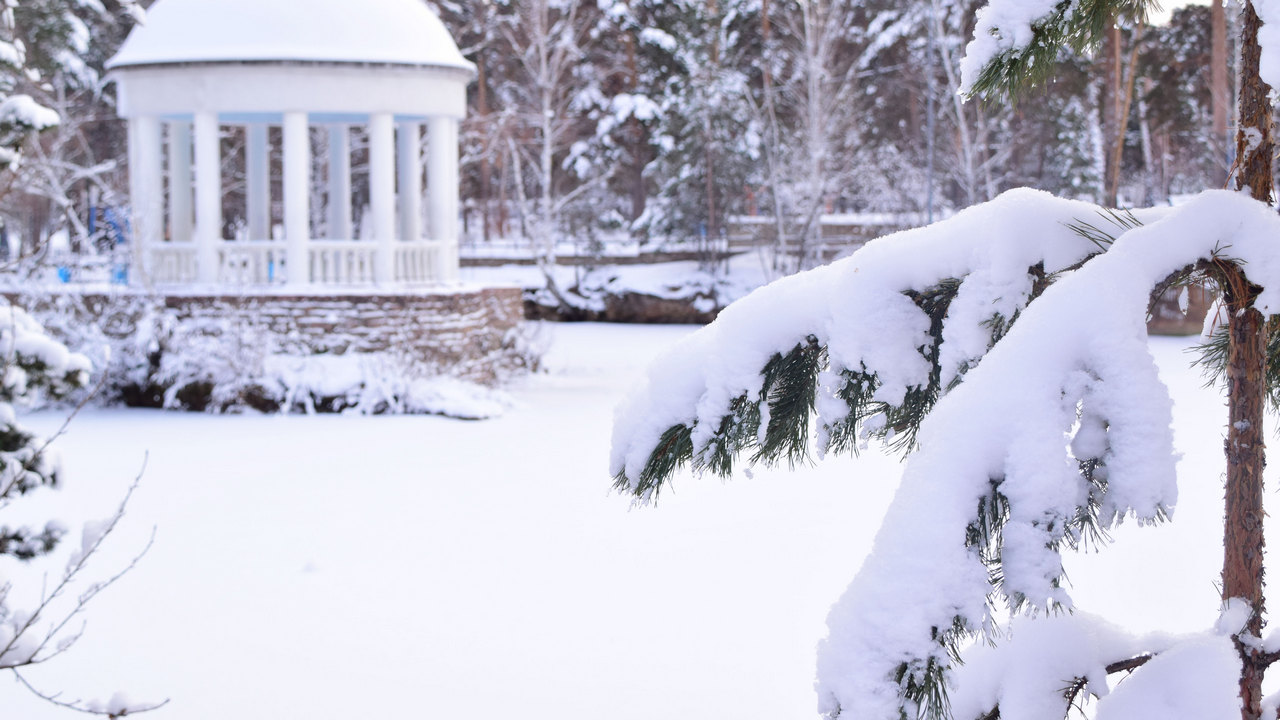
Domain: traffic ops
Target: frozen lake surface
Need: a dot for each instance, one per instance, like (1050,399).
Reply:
(420,567)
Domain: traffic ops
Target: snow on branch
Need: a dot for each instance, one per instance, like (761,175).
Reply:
(1061,428)
(865,333)
(1045,666)
(1016,42)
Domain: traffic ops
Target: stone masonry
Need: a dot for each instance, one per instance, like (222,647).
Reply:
(468,334)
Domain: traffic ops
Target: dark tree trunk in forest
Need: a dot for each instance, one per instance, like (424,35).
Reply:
(713,217)
(635,136)
(1245,447)
(1112,120)
(1219,88)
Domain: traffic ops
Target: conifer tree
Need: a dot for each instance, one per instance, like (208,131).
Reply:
(1005,350)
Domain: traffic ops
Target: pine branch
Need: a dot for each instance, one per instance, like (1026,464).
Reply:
(1212,359)
(1077,685)
(1079,25)
(790,388)
(787,394)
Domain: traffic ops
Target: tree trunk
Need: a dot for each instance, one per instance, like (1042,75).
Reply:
(1245,447)
(1219,89)
(1122,94)
(635,137)
(713,215)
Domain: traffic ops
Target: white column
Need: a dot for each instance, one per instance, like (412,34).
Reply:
(442,187)
(409,140)
(382,194)
(208,197)
(297,210)
(146,181)
(340,183)
(180,219)
(257,182)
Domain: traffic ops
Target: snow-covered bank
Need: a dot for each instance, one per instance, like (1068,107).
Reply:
(681,292)
(392,567)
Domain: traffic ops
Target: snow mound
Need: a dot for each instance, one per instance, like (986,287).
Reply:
(369,383)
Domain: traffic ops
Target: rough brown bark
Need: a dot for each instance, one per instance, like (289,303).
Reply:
(1242,569)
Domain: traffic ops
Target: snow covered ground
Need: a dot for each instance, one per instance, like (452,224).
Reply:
(394,567)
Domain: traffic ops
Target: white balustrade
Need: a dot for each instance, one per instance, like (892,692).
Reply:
(251,263)
(332,263)
(420,263)
(342,262)
(172,263)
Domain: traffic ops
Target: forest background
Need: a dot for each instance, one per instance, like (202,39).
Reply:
(654,122)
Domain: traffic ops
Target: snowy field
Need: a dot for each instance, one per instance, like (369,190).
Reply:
(419,567)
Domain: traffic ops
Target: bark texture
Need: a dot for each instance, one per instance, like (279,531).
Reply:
(1242,568)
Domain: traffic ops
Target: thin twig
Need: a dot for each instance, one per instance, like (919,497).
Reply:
(78,705)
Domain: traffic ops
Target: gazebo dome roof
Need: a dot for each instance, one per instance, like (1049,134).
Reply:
(397,32)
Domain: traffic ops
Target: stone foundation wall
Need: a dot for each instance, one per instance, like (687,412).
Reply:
(469,334)
(466,335)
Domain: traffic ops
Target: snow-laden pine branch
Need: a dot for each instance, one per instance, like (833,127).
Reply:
(1017,42)
(1061,428)
(872,316)
(1042,666)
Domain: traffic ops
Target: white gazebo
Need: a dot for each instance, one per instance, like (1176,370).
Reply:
(206,78)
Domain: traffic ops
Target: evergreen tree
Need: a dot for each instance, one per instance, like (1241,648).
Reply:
(708,140)
(1005,349)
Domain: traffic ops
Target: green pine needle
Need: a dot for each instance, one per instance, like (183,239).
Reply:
(1079,25)
(790,388)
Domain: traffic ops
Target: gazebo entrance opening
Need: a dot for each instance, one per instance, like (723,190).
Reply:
(296,199)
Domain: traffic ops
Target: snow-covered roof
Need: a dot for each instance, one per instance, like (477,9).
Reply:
(401,32)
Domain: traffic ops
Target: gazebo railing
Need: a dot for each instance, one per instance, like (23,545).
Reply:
(332,263)
(421,262)
(342,262)
(172,263)
(251,263)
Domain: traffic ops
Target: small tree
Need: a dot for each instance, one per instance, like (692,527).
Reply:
(35,631)
(1005,349)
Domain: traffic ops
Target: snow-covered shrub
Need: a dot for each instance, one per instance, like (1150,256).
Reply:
(375,383)
(226,366)
(117,332)
(214,364)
